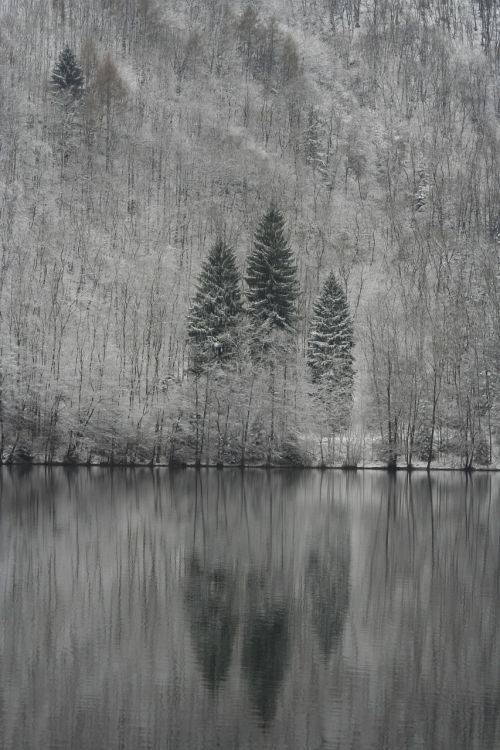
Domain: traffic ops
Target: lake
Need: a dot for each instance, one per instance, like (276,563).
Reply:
(303,610)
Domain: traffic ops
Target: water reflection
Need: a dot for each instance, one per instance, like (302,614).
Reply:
(265,655)
(328,579)
(153,609)
(211,605)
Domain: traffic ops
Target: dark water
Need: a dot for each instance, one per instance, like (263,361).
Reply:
(299,610)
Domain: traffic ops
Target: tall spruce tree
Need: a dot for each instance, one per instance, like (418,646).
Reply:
(331,341)
(272,274)
(217,306)
(67,75)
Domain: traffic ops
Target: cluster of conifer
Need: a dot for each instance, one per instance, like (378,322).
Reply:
(272,291)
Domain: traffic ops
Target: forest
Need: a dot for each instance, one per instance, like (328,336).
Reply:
(250,233)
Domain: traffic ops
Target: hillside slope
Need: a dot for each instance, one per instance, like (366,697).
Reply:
(375,129)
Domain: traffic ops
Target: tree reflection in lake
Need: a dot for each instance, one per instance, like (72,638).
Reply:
(265,656)
(298,610)
(328,579)
(210,601)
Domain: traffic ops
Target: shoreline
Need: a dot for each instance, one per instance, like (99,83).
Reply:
(260,467)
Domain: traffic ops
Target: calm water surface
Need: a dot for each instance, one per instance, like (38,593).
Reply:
(299,610)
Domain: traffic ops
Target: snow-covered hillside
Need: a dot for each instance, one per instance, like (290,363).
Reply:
(374,127)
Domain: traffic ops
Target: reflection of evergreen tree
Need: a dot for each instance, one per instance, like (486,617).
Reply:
(328,583)
(264,659)
(211,605)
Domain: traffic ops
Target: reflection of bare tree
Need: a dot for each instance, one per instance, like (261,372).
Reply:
(211,607)
(430,581)
(265,655)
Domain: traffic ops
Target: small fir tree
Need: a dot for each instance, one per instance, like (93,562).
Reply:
(67,75)
(272,274)
(331,341)
(313,147)
(217,306)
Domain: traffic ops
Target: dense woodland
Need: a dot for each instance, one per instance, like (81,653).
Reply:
(144,149)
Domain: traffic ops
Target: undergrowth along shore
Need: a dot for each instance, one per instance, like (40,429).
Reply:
(181,466)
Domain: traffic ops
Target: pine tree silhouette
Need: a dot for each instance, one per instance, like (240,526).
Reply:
(67,74)
(272,274)
(217,305)
(331,341)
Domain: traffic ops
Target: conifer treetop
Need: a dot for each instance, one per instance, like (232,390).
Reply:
(67,74)
(217,303)
(272,273)
(331,336)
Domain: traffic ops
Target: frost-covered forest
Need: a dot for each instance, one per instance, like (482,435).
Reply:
(371,130)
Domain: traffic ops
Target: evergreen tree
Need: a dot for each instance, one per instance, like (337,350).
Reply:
(331,340)
(67,74)
(272,274)
(313,148)
(217,305)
